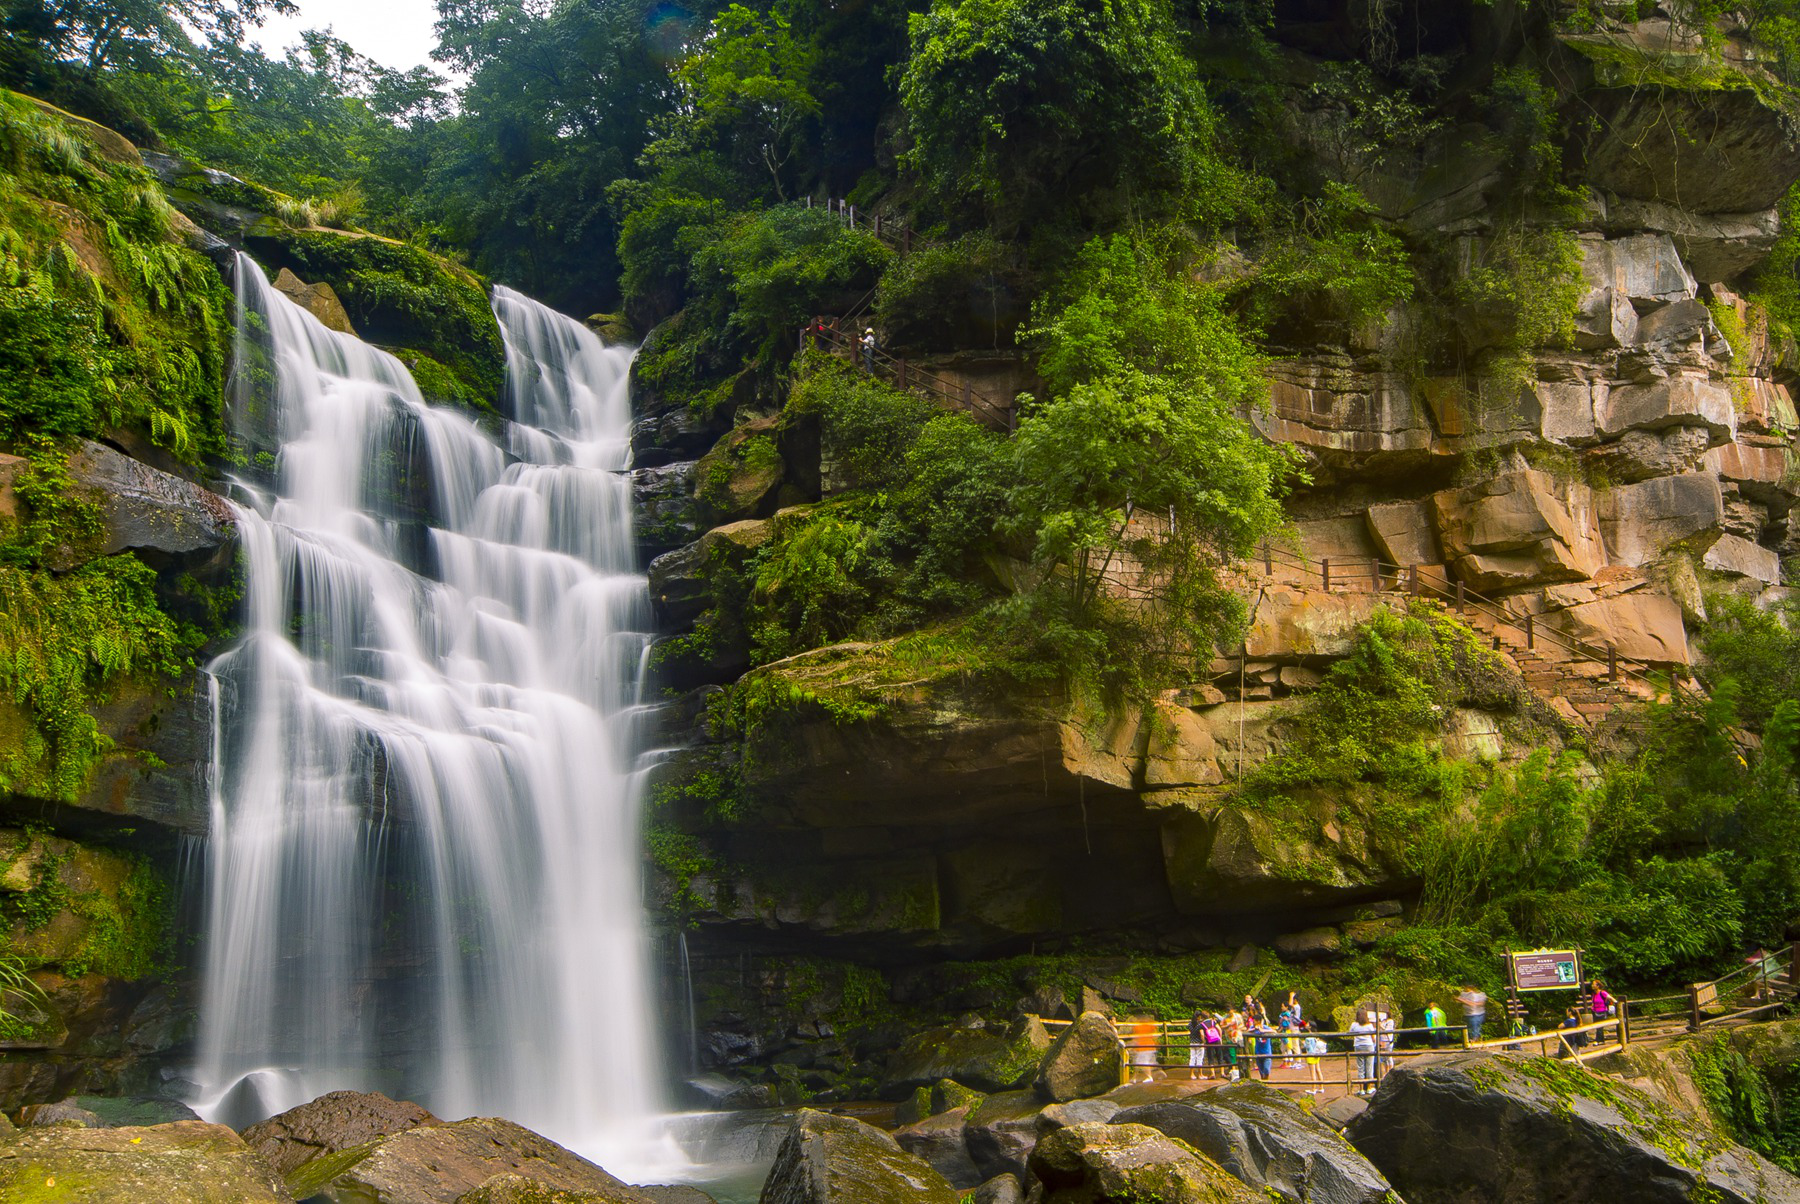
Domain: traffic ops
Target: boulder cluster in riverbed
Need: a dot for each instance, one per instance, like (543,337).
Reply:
(347,1147)
(1467,1128)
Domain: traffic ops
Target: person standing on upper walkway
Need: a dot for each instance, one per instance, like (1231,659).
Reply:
(868,350)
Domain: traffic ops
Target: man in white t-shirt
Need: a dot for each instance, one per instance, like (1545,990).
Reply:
(1474,1006)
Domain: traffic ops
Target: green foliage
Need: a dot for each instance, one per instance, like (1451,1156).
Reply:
(1752,1105)
(64,641)
(1757,649)
(744,107)
(1047,111)
(962,293)
(1338,260)
(412,301)
(808,586)
(1376,717)
(126,924)
(105,319)
(1140,464)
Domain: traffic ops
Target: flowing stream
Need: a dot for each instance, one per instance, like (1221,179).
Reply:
(423,871)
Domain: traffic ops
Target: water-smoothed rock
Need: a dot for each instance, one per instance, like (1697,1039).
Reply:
(1265,1139)
(836,1160)
(1101,1163)
(1002,1130)
(980,1058)
(942,1142)
(189,1162)
(331,1124)
(1085,1060)
(439,1164)
(62,1113)
(142,508)
(1501,1127)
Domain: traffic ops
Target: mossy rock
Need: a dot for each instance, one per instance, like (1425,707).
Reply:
(431,313)
(81,909)
(189,1162)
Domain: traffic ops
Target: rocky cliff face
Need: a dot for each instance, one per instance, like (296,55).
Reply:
(1587,495)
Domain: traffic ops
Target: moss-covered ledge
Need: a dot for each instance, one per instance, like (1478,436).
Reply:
(431,313)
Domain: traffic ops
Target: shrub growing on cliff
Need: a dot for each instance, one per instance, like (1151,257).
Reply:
(1139,473)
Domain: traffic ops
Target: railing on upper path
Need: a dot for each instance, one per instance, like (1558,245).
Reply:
(1164,1047)
(839,338)
(894,234)
(1432,582)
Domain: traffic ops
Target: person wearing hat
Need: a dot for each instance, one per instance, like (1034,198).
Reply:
(868,350)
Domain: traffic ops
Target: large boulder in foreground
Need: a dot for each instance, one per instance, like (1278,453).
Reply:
(189,1162)
(1264,1138)
(837,1160)
(331,1124)
(439,1164)
(1091,1163)
(1085,1060)
(1503,1127)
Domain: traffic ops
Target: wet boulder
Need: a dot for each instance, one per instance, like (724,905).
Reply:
(974,1057)
(1265,1139)
(1085,1060)
(1093,1163)
(189,1162)
(1001,1130)
(331,1124)
(142,508)
(440,1164)
(1478,1127)
(837,1160)
(941,1141)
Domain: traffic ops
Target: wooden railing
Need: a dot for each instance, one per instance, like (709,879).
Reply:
(1762,984)
(1164,1046)
(839,338)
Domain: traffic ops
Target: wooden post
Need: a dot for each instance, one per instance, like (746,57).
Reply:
(853,217)
(906,241)
(1325,573)
(1530,638)
(1375,573)
(878,225)
(1412,580)
(968,397)
(1694,1002)
(1461,590)
(1612,663)
(1269,571)
(903,373)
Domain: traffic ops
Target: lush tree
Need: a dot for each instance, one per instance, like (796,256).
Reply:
(558,106)
(1052,111)
(1140,474)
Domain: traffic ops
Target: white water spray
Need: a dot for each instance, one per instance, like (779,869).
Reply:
(424,855)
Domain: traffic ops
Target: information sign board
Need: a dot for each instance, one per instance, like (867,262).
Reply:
(1546,969)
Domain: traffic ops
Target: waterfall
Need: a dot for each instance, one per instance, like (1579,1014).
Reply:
(423,870)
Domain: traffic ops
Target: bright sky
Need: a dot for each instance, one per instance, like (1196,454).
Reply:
(395,33)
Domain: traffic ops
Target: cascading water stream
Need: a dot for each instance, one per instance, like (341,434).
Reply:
(423,870)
